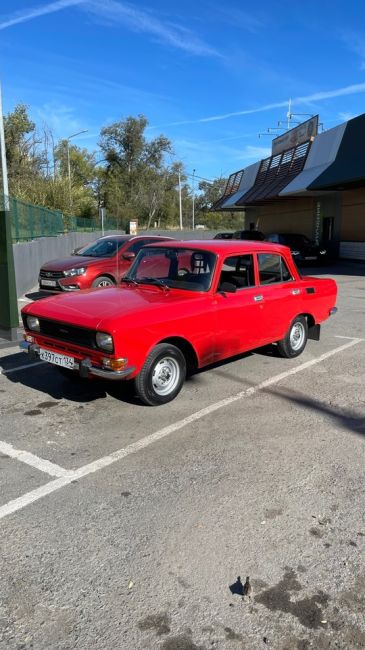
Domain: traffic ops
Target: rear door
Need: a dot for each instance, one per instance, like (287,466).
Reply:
(280,295)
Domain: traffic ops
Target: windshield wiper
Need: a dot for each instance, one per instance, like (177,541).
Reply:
(156,281)
(129,280)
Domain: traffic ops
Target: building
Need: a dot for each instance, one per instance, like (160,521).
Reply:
(313,183)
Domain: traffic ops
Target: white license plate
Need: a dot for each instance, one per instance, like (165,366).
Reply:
(310,258)
(57,359)
(48,283)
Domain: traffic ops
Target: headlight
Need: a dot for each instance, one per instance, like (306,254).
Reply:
(323,252)
(104,341)
(72,272)
(33,323)
(295,252)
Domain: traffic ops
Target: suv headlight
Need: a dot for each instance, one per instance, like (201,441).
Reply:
(33,323)
(104,341)
(72,272)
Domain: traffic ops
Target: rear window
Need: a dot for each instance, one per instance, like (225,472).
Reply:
(273,268)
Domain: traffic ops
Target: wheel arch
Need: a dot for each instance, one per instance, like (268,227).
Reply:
(105,275)
(187,350)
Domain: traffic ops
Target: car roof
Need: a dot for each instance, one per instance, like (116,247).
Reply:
(128,237)
(224,246)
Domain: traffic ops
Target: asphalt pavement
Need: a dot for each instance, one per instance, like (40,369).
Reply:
(134,528)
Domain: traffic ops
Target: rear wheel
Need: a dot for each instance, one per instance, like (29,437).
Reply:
(162,375)
(103,281)
(295,340)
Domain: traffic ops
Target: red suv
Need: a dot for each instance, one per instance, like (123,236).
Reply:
(100,264)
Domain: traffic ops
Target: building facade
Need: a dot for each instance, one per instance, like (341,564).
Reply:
(313,184)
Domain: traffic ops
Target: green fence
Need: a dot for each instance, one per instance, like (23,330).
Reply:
(30,221)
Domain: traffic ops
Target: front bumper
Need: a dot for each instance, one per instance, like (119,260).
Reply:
(84,367)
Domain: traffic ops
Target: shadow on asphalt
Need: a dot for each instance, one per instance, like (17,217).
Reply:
(341,267)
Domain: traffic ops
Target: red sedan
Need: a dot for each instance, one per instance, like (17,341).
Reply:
(100,264)
(182,305)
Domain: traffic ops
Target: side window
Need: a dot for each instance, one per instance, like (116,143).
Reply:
(134,248)
(272,268)
(238,270)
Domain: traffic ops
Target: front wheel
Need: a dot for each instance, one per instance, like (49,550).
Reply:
(103,281)
(295,340)
(162,375)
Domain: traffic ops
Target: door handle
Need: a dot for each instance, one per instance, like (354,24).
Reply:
(258,298)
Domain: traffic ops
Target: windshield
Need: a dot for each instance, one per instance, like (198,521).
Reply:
(296,240)
(101,248)
(179,268)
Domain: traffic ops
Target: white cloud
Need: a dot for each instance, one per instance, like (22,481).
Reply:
(36,12)
(131,17)
(137,20)
(355,43)
(255,153)
(297,101)
(346,116)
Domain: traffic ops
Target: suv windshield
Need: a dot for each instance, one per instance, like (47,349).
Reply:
(101,248)
(179,268)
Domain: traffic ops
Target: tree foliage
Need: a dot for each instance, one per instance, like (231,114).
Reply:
(132,175)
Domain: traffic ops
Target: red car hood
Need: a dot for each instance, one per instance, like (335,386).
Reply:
(72,262)
(104,308)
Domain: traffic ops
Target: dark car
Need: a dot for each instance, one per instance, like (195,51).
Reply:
(99,264)
(223,235)
(302,249)
(253,235)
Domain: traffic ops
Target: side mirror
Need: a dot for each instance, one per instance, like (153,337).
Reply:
(227,287)
(128,256)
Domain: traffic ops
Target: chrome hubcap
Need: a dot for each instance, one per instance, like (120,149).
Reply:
(105,283)
(165,376)
(297,336)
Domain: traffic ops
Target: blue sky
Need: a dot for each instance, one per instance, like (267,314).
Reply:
(207,74)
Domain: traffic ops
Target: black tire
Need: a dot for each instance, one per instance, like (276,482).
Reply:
(293,344)
(103,281)
(162,375)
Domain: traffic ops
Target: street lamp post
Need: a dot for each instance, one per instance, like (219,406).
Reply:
(9,319)
(193,199)
(69,164)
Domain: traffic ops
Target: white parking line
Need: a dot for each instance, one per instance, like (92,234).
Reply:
(34,461)
(27,365)
(52,486)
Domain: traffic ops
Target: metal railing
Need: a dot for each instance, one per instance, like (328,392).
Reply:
(30,221)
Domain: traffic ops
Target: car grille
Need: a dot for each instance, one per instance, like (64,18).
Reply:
(65,332)
(51,275)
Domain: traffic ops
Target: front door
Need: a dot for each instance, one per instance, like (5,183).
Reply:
(238,314)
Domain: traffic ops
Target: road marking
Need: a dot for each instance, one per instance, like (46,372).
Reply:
(27,365)
(34,461)
(52,486)
(339,336)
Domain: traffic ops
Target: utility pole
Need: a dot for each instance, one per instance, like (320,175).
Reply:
(9,319)
(69,164)
(180,202)
(193,199)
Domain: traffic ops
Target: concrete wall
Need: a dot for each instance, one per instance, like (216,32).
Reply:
(29,256)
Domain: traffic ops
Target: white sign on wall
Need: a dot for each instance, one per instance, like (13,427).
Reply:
(301,133)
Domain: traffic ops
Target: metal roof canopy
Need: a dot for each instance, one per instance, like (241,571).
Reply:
(275,173)
(348,169)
